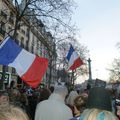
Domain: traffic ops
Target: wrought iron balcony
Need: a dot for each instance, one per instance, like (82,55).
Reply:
(3,14)
(11,20)
(2,32)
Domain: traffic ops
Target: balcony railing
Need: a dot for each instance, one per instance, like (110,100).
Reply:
(3,14)
(11,21)
(2,32)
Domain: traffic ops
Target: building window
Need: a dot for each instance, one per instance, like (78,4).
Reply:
(22,42)
(3,14)
(27,45)
(23,32)
(2,28)
(13,70)
(27,33)
(11,18)
(32,47)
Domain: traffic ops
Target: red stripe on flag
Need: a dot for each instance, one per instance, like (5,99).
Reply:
(36,71)
(78,62)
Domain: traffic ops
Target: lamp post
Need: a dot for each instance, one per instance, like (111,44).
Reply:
(90,73)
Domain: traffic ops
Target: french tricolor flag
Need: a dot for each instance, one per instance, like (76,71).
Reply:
(29,67)
(74,60)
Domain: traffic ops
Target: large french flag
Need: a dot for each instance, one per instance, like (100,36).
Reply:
(74,60)
(29,67)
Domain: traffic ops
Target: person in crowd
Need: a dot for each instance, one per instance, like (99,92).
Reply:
(13,85)
(97,114)
(44,94)
(70,99)
(4,98)
(84,94)
(23,97)
(79,106)
(14,96)
(54,108)
(114,94)
(98,106)
(10,112)
(32,100)
(51,89)
(117,106)
(118,111)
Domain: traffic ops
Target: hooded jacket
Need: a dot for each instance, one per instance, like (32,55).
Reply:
(53,109)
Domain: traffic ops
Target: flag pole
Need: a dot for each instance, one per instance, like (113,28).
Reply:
(90,72)
(73,77)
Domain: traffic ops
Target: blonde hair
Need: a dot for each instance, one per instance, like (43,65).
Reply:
(80,102)
(97,114)
(10,112)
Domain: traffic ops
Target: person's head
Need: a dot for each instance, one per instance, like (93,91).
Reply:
(10,112)
(4,98)
(12,84)
(61,90)
(51,89)
(97,114)
(15,93)
(79,104)
(98,105)
(99,98)
(44,94)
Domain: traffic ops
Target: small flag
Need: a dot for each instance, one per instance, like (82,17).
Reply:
(29,67)
(74,61)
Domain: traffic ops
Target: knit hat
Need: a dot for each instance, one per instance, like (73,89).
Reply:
(99,98)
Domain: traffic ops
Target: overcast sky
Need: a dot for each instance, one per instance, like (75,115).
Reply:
(99,24)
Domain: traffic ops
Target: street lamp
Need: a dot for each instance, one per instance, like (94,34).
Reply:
(90,73)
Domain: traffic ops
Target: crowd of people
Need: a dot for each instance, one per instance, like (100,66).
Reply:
(59,103)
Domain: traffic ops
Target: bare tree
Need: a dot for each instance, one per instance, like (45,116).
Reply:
(115,70)
(118,45)
(63,48)
(53,15)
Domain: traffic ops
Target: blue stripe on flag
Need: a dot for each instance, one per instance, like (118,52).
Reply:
(70,52)
(9,51)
